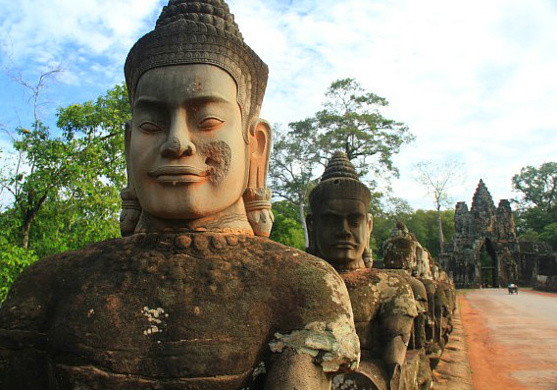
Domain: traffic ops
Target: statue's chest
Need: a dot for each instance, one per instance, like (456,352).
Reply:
(365,298)
(174,316)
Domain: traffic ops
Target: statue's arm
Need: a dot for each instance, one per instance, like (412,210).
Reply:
(397,320)
(398,330)
(296,371)
(23,351)
(317,338)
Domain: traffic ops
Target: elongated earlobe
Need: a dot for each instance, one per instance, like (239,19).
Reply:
(257,197)
(312,246)
(131,209)
(368,253)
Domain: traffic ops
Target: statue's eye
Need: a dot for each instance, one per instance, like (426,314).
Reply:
(210,123)
(149,127)
(355,221)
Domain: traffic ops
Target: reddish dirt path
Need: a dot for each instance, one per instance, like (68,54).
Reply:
(511,340)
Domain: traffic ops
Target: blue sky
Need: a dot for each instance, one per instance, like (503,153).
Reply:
(474,81)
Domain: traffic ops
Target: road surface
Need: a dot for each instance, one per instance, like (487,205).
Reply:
(511,339)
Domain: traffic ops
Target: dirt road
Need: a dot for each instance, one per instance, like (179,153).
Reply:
(511,339)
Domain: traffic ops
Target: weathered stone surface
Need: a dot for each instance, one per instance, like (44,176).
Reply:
(191,299)
(435,290)
(383,303)
(150,312)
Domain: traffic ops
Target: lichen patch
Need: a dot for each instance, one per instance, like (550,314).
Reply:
(335,345)
(155,317)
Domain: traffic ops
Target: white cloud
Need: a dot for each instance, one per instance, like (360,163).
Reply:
(473,80)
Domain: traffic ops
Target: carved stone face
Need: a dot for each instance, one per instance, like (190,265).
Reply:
(186,152)
(400,253)
(341,230)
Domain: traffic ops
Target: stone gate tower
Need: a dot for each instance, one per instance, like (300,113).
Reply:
(485,249)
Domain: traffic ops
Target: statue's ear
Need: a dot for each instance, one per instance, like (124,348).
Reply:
(127,153)
(131,209)
(127,140)
(310,223)
(369,226)
(260,152)
(257,197)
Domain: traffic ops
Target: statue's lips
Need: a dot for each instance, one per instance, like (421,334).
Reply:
(344,245)
(174,174)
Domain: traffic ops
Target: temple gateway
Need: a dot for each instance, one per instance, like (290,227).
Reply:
(485,250)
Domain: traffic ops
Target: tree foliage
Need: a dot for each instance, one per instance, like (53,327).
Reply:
(293,165)
(536,217)
(286,228)
(65,184)
(13,260)
(351,122)
(422,223)
(76,171)
(538,186)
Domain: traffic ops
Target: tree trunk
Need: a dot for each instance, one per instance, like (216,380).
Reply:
(26,229)
(303,222)
(440,226)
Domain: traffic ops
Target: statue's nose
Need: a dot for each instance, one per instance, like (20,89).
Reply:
(179,141)
(344,229)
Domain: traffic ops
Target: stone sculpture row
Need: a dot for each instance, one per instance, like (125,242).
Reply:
(403,313)
(195,296)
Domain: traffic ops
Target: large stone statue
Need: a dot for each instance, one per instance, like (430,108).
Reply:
(383,303)
(192,299)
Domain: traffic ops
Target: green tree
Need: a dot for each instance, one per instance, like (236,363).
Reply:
(292,167)
(538,186)
(386,211)
(13,260)
(549,235)
(64,184)
(422,223)
(351,122)
(286,228)
(77,170)
(536,215)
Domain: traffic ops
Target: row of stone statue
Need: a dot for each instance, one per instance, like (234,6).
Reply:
(403,313)
(194,296)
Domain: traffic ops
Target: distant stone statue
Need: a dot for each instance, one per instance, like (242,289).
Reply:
(192,299)
(431,286)
(383,303)
(399,256)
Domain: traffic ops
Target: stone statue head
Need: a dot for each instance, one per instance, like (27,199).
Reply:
(339,223)
(197,151)
(400,250)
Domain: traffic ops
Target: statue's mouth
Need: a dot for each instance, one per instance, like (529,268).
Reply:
(344,245)
(174,174)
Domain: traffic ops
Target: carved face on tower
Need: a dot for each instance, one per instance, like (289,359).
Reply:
(339,224)
(196,143)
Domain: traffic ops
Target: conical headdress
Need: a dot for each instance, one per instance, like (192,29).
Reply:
(200,32)
(339,180)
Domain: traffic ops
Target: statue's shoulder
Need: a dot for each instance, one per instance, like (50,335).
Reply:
(35,284)
(276,254)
